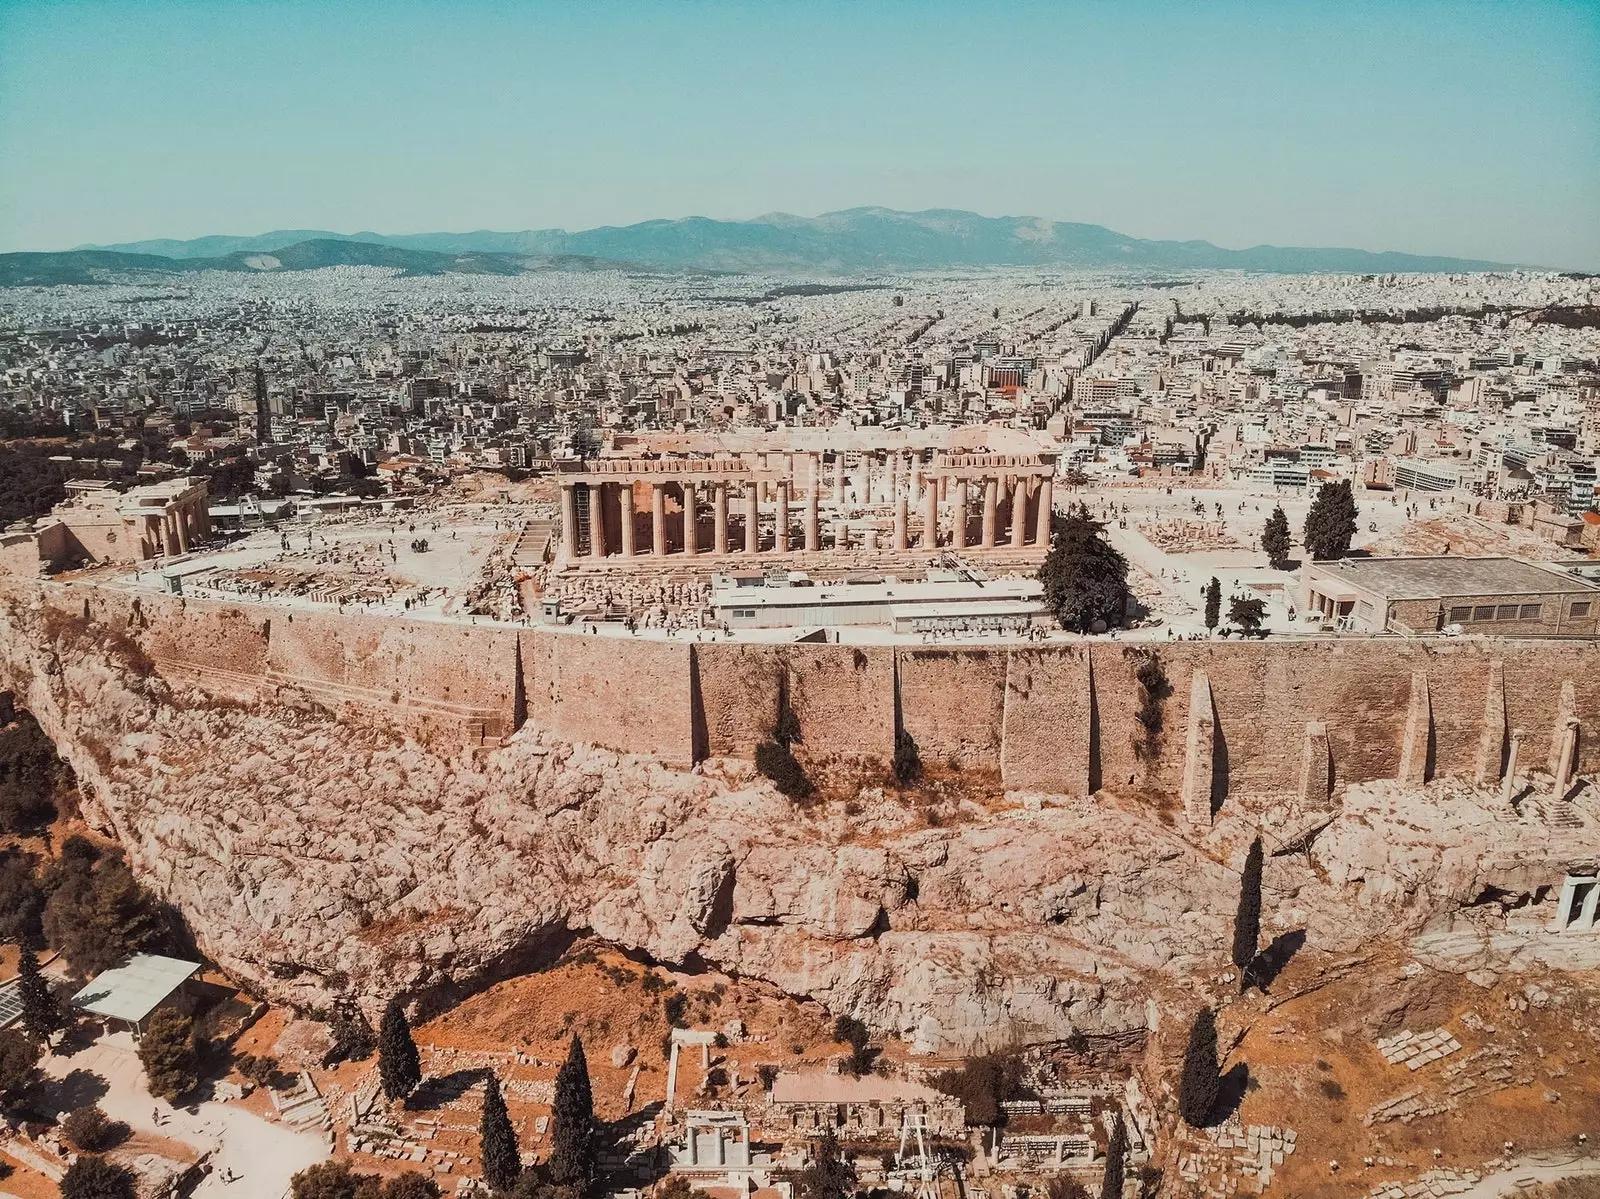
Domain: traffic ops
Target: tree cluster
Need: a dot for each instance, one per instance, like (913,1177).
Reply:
(96,912)
(93,1177)
(170,1054)
(1085,578)
(30,773)
(982,1085)
(855,1034)
(830,1175)
(338,1180)
(1248,614)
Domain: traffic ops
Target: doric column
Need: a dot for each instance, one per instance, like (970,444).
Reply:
(1019,512)
(597,520)
(901,516)
(569,522)
(719,520)
(658,519)
(752,518)
(691,527)
(838,476)
(958,533)
(913,480)
(780,528)
(991,511)
(894,475)
(1041,532)
(182,532)
(625,516)
(866,478)
(813,528)
(930,515)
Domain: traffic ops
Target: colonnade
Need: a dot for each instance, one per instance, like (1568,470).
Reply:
(1014,495)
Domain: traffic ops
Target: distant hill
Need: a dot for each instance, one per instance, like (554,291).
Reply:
(853,241)
(115,265)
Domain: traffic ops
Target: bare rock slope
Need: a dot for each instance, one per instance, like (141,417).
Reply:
(313,855)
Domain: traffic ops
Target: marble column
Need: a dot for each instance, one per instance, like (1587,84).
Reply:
(181,531)
(1046,508)
(838,476)
(597,520)
(658,519)
(902,516)
(780,528)
(991,511)
(894,477)
(625,516)
(813,528)
(958,537)
(691,526)
(930,515)
(569,522)
(1019,512)
(719,520)
(752,519)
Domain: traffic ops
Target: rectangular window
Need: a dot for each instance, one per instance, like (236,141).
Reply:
(1506,612)
(744,613)
(1532,611)
(1581,608)
(1460,615)
(1483,612)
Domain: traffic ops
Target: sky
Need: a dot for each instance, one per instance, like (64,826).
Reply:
(1462,128)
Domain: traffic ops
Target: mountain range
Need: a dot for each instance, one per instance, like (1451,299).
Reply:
(854,241)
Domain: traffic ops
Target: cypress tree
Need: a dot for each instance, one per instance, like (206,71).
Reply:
(1331,523)
(1213,603)
(1116,1151)
(1197,1090)
(399,1066)
(1275,541)
(572,1141)
(41,1014)
(1247,921)
(502,1162)
(1085,577)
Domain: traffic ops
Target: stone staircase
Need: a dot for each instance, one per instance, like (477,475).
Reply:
(302,1106)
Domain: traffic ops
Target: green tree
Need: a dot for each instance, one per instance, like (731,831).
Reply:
(1248,614)
(502,1161)
(89,1130)
(572,1147)
(411,1185)
(1085,578)
(329,1180)
(829,1176)
(41,1014)
(167,1050)
(1197,1089)
(399,1066)
(30,772)
(1331,523)
(1275,540)
(1247,920)
(19,1062)
(1116,1155)
(855,1034)
(97,913)
(1213,603)
(93,1177)
(21,899)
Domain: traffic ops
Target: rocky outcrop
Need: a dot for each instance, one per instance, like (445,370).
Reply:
(312,854)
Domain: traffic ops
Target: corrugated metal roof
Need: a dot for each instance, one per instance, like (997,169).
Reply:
(134,990)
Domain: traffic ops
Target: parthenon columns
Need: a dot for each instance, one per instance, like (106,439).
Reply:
(719,520)
(958,537)
(658,519)
(691,531)
(1042,528)
(780,529)
(625,510)
(930,514)
(901,516)
(597,521)
(838,477)
(752,519)
(813,528)
(991,510)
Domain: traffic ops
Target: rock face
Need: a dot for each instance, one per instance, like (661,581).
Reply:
(312,854)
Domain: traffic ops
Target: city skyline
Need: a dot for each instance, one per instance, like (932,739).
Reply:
(1445,129)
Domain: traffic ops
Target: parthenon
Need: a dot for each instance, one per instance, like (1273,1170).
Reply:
(880,493)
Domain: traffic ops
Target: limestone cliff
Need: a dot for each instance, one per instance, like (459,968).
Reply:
(310,853)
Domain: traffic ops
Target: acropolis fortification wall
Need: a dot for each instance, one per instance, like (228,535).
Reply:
(1058,718)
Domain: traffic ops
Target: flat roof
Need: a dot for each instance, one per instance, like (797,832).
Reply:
(1449,575)
(135,989)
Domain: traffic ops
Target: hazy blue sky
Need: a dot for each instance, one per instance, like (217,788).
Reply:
(1450,128)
